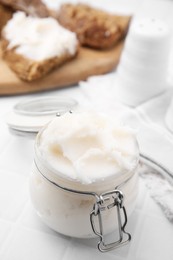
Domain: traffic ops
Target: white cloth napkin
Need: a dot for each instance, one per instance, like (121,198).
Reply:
(155,141)
(154,111)
(160,190)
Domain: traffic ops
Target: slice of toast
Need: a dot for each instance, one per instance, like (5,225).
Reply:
(30,68)
(31,7)
(94,28)
(27,69)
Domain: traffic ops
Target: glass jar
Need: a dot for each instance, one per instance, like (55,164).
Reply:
(83,210)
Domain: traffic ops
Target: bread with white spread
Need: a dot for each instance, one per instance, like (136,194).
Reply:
(34,46)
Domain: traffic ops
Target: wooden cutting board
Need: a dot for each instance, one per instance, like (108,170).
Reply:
(88,62)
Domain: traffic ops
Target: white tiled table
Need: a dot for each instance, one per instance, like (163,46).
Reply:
(24,236)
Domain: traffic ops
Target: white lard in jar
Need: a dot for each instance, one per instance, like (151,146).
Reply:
(85,162)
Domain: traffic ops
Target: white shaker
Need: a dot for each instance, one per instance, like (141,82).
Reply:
(143,68)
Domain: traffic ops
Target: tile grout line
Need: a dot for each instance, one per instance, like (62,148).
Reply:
(15,224)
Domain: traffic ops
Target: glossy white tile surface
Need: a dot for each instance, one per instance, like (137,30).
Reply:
(31,244)
(13,195)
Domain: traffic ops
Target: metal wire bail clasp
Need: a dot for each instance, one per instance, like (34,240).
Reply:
(104,202)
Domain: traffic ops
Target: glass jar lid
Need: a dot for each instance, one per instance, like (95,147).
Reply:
(29,116)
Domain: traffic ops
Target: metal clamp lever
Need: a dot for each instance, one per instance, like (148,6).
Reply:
(116,197)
